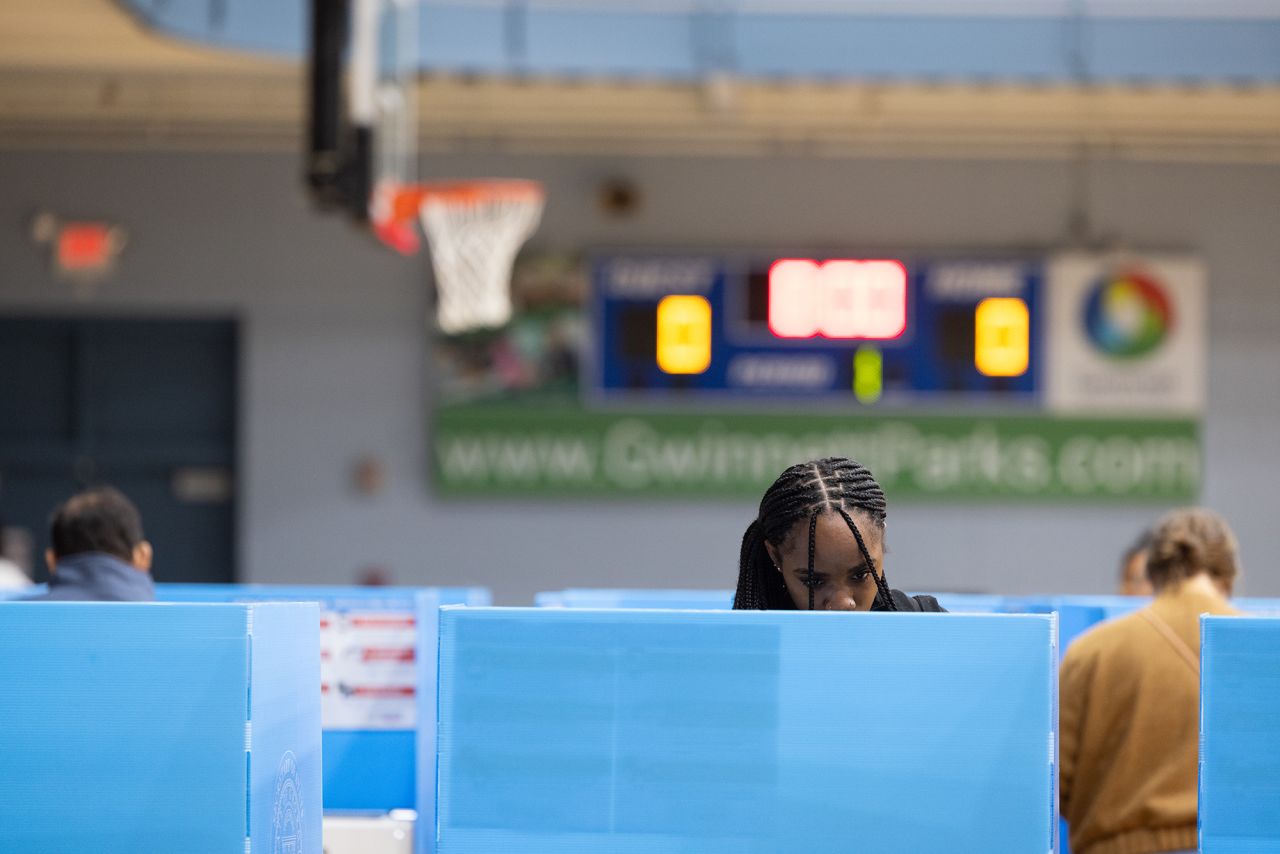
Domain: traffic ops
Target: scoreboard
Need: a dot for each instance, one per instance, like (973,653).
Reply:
(867,332)
(1070,374)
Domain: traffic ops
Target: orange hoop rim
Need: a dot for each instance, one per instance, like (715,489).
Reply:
(407,200)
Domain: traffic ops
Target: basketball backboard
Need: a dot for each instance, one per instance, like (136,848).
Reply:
(362,159)
(362,98)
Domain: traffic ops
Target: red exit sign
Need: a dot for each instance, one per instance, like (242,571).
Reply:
(844,299)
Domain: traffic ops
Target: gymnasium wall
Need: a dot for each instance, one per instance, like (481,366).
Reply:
(334,353)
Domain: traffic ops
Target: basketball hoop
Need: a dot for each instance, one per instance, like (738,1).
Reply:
(474,230)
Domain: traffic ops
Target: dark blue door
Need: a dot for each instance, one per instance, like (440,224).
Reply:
(148,406)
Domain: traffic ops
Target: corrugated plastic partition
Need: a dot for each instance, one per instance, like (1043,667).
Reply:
(23,592)
(129,728)
(679,600)
(971,603)
(714,600)
(1259,607)
(669,731)
(1076,614)
(1239,735)
(379,752)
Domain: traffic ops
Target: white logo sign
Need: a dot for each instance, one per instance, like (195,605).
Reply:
(1125,334)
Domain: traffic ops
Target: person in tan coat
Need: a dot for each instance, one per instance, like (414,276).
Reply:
(1129,711)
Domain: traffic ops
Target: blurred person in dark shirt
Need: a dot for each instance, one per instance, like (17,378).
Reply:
(98,552)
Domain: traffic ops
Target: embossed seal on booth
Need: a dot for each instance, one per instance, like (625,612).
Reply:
(287,814)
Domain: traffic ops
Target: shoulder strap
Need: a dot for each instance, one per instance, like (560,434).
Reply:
(1178,644)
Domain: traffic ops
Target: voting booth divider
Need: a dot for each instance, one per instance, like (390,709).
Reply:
(378,688)
(567,730)
(131,728)
(618,719)
(1076,613)
(1239,734)
(678,600)
(17,593)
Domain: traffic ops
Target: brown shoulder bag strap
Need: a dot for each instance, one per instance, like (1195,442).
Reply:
(1178,644)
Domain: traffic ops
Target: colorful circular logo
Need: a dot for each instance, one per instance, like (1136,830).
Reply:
(1127,315)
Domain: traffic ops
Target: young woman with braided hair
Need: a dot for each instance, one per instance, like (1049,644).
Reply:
(818,544)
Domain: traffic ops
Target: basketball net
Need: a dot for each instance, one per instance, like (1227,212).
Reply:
(474,231)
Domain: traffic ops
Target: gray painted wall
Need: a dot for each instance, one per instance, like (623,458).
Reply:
(333,362)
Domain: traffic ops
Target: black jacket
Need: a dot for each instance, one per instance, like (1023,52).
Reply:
(912,603)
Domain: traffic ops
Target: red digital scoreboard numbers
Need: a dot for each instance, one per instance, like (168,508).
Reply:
(837,299)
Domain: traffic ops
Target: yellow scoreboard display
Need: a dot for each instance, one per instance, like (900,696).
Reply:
(1002,337)
(867,330)
(684,334)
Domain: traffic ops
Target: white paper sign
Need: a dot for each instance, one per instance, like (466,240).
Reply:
(1125,334)
(368,672)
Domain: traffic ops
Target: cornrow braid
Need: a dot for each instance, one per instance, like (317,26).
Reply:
(748,591)
(813,529)
(806,490)
(882,586)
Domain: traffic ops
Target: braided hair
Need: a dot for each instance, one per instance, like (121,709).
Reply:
(804,492)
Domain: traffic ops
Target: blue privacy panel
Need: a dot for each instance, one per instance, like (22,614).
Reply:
(427,665)
(716,600)
(1259,607)
(24,592)
(665,731)
(337,597)
(1076,614)
(139,727)
(284,716)
(680,600)
(370,769)
(971,603)
(1239,735)
(1084,611)
(366,768)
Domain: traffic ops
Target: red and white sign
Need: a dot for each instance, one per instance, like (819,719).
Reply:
(368,670)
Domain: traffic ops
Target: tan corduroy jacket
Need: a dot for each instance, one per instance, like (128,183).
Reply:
(1129,718)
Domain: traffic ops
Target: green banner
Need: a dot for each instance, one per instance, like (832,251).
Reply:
(489,450)
(493,450)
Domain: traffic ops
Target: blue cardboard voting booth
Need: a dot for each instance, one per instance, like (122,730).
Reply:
(662,731)
(1084,610)
(23,592)
(131,728)
(379,711)
(1239,734)
(694,600)
(1259,607)
(717,600)
(1076,614)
